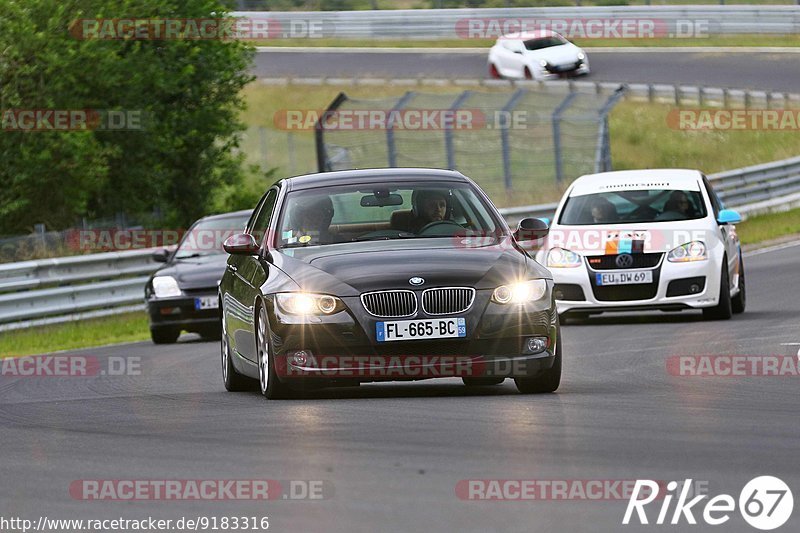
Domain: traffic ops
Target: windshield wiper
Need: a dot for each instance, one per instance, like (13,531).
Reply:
(402,235)
(192,256)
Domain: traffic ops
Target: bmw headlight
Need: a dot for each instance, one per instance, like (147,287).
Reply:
(520,293)
(303,303)
(165,287)
(562,258)
(581,56)
(691,251)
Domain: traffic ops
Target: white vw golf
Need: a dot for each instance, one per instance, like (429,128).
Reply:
(539,55)
(644,239)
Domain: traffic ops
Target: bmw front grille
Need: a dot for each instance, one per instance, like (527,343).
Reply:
(448,300)
(390,304)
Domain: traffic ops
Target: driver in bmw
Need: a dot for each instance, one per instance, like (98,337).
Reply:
(429,206)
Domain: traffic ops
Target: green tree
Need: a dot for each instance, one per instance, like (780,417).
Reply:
(187,90)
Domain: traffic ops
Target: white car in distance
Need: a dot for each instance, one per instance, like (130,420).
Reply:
(644,240)
(539,55)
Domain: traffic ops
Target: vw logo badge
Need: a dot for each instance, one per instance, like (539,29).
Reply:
(624,261)
(416,281)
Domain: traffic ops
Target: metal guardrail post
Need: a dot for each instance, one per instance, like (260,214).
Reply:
(448,132)
(602,158)
(556,119)
(505,124)
(390,144)
(319,132)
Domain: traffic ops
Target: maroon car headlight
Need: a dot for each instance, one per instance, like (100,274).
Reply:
(304,303)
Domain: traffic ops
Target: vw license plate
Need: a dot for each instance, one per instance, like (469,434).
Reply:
(625,278)
(407,330)
(206,302)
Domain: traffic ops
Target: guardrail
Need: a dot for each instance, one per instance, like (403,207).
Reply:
(668,21)
(69,285)
(652,92)
(63,289)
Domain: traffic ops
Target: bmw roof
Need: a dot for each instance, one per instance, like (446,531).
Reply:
(327,179)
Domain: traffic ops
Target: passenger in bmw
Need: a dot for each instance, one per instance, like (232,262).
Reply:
(311,219)
(428,206)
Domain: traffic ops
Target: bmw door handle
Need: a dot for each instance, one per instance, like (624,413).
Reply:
(232,268)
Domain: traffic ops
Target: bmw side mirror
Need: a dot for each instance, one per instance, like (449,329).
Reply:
(161,256)
(530,229)
(728,216)
(241,244)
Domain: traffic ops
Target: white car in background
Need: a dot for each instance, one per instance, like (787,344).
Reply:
(539,55)
(642,240)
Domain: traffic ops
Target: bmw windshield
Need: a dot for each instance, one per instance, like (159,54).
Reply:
(381,211)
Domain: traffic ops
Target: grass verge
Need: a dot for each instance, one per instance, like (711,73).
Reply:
(126,327)
(769,226)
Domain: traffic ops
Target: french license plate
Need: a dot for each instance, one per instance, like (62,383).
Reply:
(206,302)
(407,330)
(624,278)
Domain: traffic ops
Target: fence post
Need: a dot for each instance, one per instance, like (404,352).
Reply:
(505,125)
(319,132)
(448,131)
(602,158)
(390,145)
(556,118)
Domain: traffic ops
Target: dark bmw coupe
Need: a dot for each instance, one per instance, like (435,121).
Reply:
(385,274)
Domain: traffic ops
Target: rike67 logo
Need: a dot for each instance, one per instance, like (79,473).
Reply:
(765,503)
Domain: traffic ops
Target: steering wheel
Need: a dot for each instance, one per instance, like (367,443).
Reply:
(435,223)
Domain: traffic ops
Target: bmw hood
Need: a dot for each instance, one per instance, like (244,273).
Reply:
(351,269)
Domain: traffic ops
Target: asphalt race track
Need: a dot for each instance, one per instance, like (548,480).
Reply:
(391,455)
(742,70)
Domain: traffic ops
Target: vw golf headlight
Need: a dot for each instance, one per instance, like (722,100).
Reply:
(303,303)
(165,287)
(520,293)
(691,251)
(562,258)
(543,63)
